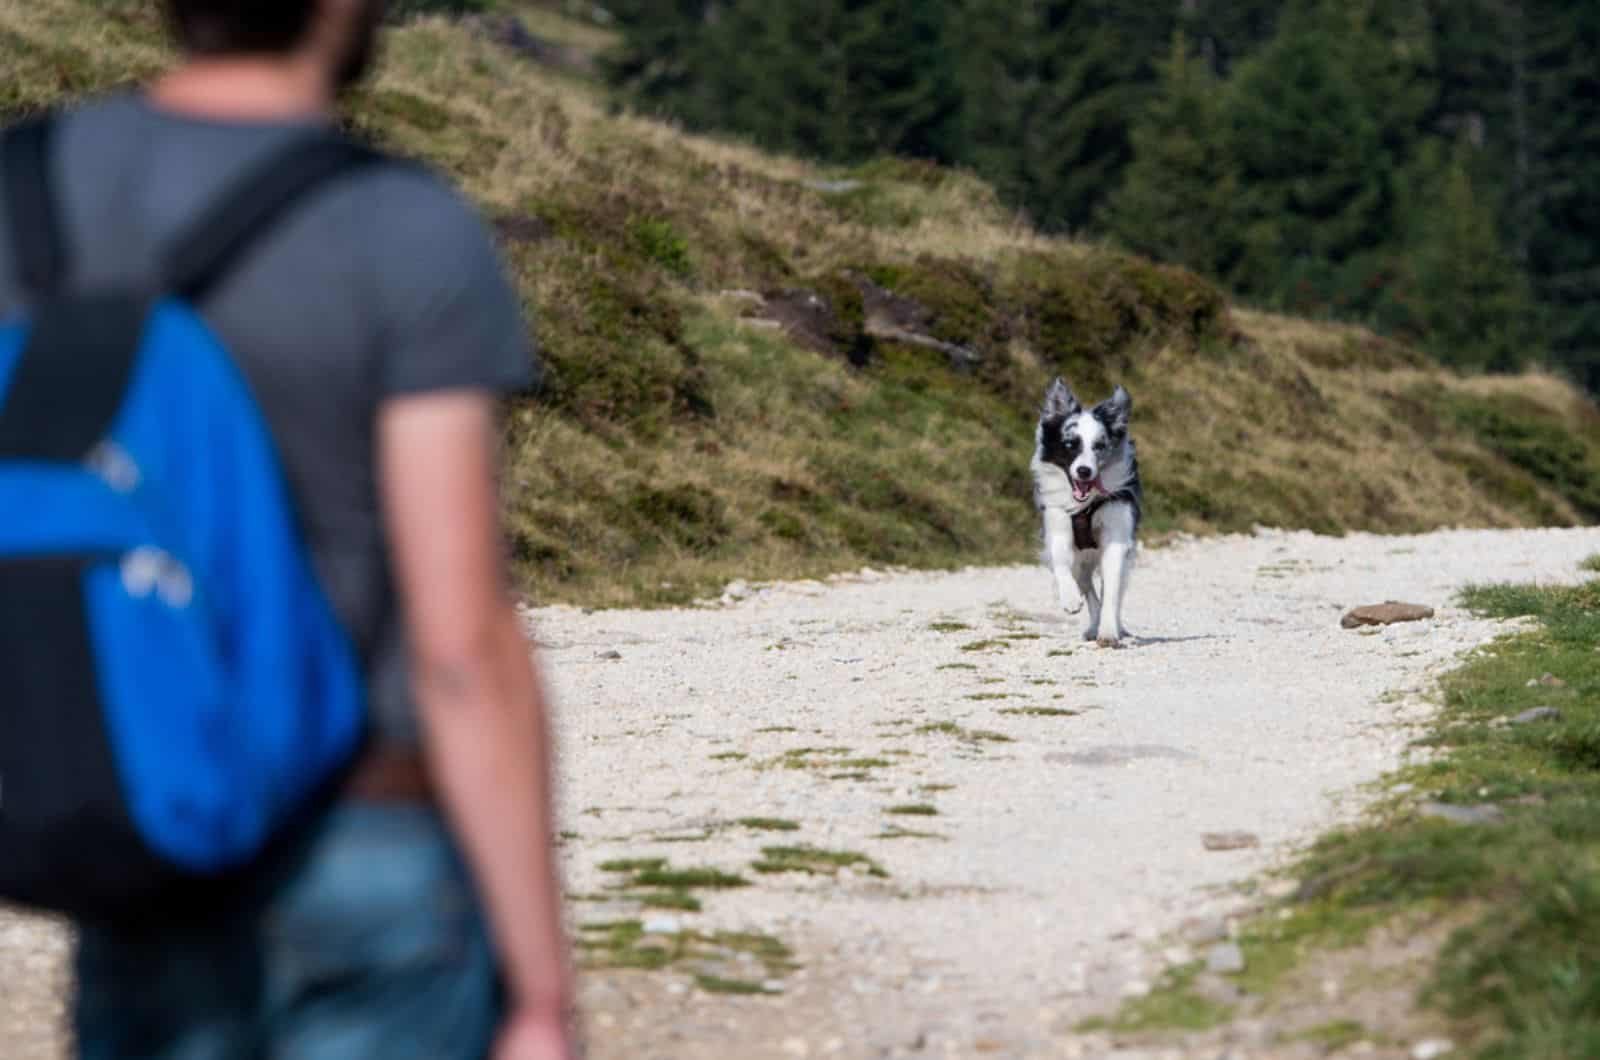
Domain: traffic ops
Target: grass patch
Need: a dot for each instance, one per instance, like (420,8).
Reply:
(914,809)
(1591,564)
(949,627)
(872,762)
(935,788)
(950,728)
(716,984)
(679,900)
(1040,712)
(729,756)
(624,944)
(777,728)
(985,697)
(1334,1035)
(813,861)
(896,832)
(686,879)
(633,865)
(990,644)
(768,824)
(1171,1005)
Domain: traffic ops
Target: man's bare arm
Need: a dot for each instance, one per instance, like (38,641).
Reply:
(483,711)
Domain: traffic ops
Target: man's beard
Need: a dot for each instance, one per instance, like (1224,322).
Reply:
(363,47)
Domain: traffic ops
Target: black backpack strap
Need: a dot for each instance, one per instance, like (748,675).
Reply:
(32,214)
(225,230)
(68,385)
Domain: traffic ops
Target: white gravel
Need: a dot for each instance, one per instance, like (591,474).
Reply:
(1066,853)
(1243,707)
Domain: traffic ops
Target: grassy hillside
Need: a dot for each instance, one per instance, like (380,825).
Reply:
(759,368)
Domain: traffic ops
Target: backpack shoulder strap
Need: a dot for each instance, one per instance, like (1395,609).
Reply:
(32,213)
(222,233)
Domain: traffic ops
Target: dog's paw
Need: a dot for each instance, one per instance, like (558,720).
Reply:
(1091,635)
(1109,641)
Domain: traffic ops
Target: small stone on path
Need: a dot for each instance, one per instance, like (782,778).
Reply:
(1432,1049)
(611,656)
(663,925)
(1527,717)
(1485,813)
(1385,614)
(1206,929)
(1225,958)
(1217,990)
(1230,840)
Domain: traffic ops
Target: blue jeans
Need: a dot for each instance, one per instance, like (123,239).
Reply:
(368,944)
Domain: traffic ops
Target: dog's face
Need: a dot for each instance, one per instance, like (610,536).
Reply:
(1089,446)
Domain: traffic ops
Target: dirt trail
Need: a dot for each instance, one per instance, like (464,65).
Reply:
(1070,785)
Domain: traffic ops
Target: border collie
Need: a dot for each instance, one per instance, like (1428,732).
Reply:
(1086,484)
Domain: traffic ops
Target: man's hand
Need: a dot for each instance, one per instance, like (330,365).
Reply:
(537,1035)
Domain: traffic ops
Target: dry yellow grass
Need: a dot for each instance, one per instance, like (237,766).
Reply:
(681,444)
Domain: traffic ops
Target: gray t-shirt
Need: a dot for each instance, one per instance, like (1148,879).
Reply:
(385,283)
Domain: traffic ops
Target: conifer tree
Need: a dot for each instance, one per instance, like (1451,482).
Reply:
(1176,200)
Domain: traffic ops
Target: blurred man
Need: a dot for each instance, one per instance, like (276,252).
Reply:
(376,328)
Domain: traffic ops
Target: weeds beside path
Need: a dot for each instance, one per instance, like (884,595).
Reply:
(1474,883)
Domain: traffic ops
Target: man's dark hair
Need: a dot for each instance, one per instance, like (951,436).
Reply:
(240,27)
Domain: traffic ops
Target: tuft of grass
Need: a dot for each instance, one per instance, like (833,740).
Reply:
(1171,1005)
(895,832)
(1591,564)
(950,728)
(914,809)
(687,879)
(984,697)
(935,788)
(716,984)
(769,824)
(957,666)
(1334,1035)
(1040,712)
(777,728)
(680,900)
(729,756)
(949,627)
(990,644)
(633,865)
(813,861)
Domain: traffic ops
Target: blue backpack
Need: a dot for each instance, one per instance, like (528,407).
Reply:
(175,688)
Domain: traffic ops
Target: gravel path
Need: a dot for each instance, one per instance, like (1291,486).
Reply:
(1058,859)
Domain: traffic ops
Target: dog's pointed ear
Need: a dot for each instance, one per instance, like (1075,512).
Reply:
(1060,402)
(1119,407)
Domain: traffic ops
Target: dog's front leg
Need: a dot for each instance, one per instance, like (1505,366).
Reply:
(1058,552)
(1083,567)
(1113,580)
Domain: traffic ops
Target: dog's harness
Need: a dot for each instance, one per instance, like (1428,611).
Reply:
(1083,525)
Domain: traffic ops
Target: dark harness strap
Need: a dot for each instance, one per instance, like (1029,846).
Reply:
(212,244)
(1083,538)
(32,214)
(69,383)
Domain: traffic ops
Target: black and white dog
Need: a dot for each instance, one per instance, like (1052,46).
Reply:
(1086,483)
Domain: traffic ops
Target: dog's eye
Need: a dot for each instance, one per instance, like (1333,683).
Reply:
(1101,445)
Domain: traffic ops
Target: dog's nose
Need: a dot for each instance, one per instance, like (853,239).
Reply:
(1085,473)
